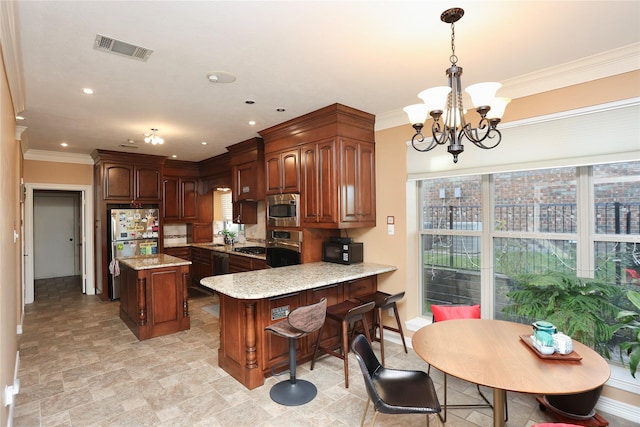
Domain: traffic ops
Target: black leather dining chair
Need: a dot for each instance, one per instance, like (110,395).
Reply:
(393,391)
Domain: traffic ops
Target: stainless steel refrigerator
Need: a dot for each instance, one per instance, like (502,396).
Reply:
(133,232)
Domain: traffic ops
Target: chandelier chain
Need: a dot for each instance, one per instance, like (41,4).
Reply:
(453,58)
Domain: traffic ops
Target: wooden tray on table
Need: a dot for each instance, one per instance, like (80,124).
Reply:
(573,356)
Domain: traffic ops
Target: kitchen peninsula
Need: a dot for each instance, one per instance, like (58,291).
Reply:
(153,295)
(250,301)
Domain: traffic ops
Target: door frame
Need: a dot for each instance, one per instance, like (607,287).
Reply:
(86,205)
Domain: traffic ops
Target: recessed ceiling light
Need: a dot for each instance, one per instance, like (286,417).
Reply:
(221,77)
(250,102)
(19,118)
(130,141)
(174,156)
(281,110)
(204,143)
(64,144)
(88,91)
(252,123)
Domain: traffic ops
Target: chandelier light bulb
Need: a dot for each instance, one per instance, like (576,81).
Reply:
(153,138)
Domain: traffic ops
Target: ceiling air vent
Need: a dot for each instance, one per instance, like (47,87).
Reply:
(121,48)
(128,146)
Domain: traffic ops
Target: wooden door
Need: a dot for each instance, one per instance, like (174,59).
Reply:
(290,161)
(309,211)
(327,190)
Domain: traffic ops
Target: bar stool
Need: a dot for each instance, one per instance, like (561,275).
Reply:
(300,322)
(347,313)
(384,301)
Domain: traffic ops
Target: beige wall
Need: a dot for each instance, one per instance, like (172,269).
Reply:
(10,254)
(36,171)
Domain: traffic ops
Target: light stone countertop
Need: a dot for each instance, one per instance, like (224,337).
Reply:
(152,261)
(273,282)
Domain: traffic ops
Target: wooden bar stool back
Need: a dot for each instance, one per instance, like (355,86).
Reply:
(384,301)
(347,313)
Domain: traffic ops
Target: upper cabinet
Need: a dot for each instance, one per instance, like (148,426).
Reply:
(128,177)
(247,179)
(282,170)
(179,191)
(247,170)
(329,157)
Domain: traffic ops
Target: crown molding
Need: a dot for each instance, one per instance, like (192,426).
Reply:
(605,64)
(55,156)
(11,54)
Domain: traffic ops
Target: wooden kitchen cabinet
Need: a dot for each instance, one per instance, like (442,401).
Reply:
(247,169)
(180,191)
(357,183)
(182,252)
(241,263)
(318,177)
(179,199)
(337,165)
(282,170)
(154,302)
(129,182)
(245,212)
(202,265)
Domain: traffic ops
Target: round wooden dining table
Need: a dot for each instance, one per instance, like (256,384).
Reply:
(492,353)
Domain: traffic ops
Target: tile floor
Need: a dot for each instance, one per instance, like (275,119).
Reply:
(81,366)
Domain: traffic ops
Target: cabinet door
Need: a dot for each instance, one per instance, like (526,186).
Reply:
(327,189)
(283,172)
(290,171)
(188,199)
(309,212)
(118,180)
(273,174)
(357,182)
(244,182)
(239,263)
(245,213)
(367,184)
(170,198)
(147,183)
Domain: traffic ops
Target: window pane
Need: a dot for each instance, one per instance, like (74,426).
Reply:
(452,203)
(617,198)
(517,256)
(451,270)
(536,201)
(618,262)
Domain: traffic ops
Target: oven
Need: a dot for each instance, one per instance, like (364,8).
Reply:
(283,247)
(283,210)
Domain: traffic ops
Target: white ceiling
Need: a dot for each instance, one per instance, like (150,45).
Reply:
(298,55)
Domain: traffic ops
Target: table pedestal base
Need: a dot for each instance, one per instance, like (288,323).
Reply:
(595,421)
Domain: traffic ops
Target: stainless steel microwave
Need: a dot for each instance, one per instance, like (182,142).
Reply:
(283,210)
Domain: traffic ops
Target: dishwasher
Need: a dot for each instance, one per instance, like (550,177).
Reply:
(220,263)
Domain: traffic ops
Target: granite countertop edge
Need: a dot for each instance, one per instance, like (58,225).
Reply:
(149,262)
(273,282)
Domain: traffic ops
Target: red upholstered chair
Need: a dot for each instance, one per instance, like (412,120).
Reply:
(555,425)
(451,312)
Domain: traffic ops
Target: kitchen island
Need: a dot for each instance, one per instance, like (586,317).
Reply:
(153,295)
(251,301)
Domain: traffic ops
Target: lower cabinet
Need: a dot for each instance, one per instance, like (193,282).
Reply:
(154,302)
(248,352)
(239,264)
(202,263)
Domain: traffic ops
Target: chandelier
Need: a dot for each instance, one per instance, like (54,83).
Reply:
(153,137)
(444,105)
